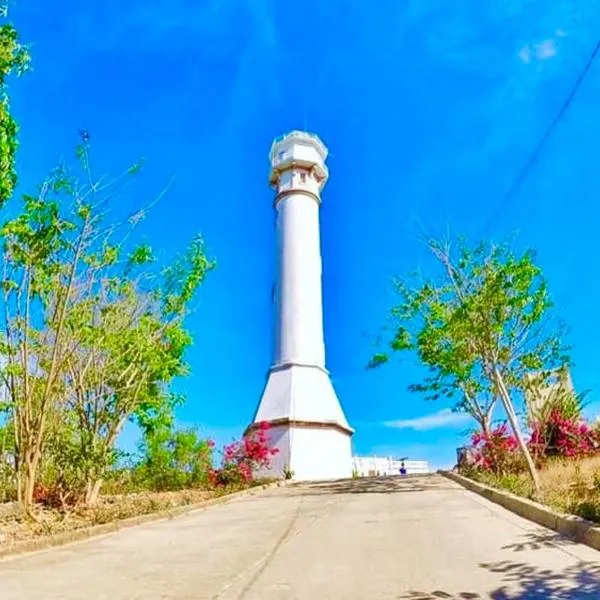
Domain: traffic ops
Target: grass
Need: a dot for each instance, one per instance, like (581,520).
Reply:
(568,485)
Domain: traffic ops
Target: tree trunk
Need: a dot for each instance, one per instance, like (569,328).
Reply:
(512,417)
(19,484)
(486,426)
(28,484)
(32,461)
(92,492)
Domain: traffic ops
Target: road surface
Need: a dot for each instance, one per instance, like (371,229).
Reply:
(370,539)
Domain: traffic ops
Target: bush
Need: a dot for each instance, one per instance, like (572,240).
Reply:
(562,435)
(497,451)
(174,460)
(243,458)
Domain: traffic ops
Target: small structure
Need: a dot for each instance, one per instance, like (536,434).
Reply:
(378,466)
(466,456)
(545,387)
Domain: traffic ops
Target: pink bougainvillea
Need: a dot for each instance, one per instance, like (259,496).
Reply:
(561,436)
(242,458)
(495,451)
(556,435)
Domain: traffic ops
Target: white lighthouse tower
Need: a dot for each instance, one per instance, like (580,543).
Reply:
(308,425)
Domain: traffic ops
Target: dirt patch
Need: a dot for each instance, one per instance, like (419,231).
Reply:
(14,528)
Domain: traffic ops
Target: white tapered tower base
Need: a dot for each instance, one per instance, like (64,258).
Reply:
(308,426)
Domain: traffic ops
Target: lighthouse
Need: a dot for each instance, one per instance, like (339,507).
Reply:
(307,423)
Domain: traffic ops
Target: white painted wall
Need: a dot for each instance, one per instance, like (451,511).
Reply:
(298,293)
(312,454)
(301,394)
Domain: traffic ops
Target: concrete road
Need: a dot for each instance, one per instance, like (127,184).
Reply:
(423,538)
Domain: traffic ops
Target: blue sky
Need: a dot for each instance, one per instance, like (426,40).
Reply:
(429,109)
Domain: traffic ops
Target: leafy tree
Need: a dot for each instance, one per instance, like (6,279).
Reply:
(127,342)
(93,330)
(14,59)
(480,328)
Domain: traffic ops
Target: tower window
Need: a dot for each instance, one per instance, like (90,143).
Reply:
(303,177)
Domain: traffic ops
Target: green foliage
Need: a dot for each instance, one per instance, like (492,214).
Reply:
(481,329)
(486,311)
(94,331)
(14,59)
(511,482)
(174,459)
(7,472)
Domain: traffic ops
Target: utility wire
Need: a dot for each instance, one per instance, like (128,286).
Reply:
(538,149)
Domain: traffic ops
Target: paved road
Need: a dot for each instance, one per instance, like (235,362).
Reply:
(414,539)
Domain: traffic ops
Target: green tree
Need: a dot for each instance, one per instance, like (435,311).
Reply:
(93,330)
(126,343)
(480,328)
(14,59)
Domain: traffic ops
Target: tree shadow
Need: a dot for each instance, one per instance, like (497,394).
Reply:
(576,582)
(538,540)
(375,485)
(439,595)
(523,581)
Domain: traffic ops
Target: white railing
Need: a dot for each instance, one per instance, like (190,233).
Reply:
(373,465)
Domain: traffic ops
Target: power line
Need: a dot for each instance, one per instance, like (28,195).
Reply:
(538,149)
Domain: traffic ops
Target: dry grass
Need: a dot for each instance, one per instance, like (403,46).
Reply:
(15,528)
(570,486)
(574,486)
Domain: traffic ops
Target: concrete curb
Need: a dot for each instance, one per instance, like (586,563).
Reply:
(78,535)
(571,526)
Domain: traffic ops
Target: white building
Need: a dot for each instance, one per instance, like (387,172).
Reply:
(372,466)
(543,388)
(308,425)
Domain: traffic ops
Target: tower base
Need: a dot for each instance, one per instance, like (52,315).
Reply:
(309,452)
(308,426)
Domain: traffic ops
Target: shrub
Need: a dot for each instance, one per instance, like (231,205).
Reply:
(174,460)
(497,451)
(243,458)
(565,436)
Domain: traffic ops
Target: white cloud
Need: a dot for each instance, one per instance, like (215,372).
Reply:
(542,51)
(525,54)
(545,50)
(442,418)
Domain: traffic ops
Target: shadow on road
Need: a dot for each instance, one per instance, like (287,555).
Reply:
(538,540)
(525,582)
(578,582)
(375,485)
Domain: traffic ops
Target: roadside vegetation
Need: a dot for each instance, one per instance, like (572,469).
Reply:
(92,335)
(484,326)
(567,453)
